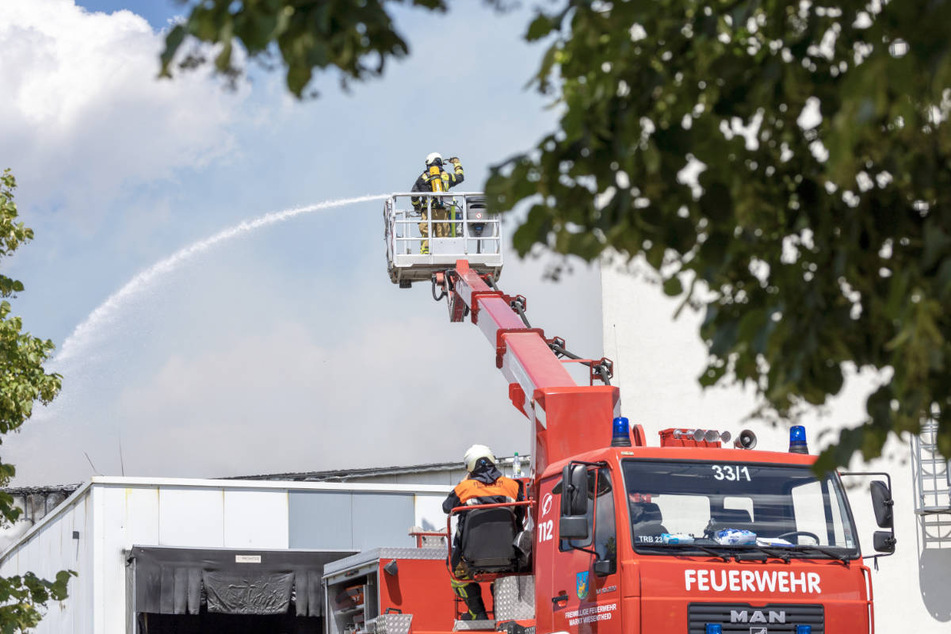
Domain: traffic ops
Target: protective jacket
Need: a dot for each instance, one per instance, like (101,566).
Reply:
(485,485)
(425,182)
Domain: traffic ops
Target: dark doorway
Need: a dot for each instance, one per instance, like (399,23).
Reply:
(205,622)
(197,590)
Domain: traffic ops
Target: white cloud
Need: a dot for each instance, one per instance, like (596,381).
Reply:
(82,107)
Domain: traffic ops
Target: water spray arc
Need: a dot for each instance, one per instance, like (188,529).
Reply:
(85,332)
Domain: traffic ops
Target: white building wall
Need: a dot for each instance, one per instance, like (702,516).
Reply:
(657,363)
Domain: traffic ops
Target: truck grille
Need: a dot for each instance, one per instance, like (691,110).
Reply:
(743,618)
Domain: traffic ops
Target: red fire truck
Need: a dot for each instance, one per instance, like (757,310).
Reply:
(697,535)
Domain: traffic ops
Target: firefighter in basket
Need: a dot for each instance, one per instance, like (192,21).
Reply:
(484,484)
(436,179)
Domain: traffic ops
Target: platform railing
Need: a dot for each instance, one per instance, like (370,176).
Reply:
(439,229)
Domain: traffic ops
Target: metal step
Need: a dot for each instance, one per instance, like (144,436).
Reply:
(468,626)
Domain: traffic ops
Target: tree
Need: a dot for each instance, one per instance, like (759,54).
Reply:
(23,381)
(785,165)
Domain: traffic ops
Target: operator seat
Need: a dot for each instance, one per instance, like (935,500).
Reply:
(646,520)
(488,540)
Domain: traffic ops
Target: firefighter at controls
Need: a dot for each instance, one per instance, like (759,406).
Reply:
(435,179)
(484,484)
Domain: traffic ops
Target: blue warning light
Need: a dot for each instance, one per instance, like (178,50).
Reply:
(797,439)
(621,434)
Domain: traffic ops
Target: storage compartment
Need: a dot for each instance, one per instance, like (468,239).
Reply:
(351,603)
(388,591)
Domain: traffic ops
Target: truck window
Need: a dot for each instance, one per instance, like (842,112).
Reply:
(676,503)
(601,517)
(681,513)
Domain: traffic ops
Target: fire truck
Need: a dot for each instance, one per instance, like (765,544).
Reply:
(694,534)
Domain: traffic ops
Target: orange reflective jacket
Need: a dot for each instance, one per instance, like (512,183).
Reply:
(472,491)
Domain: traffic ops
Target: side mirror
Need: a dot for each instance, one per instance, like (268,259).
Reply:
(884,541)
(882,503)
(573,523)
(605,567)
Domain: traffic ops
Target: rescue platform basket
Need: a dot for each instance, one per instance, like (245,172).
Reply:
(440,229)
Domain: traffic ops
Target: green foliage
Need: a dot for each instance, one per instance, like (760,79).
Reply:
(354,37)
(816,228)
(23,381)
(815,242)
(21,599)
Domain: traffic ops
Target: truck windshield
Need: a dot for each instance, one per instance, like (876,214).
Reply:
(776,508)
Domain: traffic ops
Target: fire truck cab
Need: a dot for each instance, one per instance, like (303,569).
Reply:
(697,539)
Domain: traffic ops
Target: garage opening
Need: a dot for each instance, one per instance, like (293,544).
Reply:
(232,623)
(191,590)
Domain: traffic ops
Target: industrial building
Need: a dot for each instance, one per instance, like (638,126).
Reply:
(151,553)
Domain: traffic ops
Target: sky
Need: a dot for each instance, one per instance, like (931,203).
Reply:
(284,348)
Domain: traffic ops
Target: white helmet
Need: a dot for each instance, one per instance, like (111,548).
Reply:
(474,453)
(432,158)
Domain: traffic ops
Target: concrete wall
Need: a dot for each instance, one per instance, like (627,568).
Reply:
(657,362)
(114,514)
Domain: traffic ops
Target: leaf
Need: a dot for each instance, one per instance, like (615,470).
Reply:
(673,287)
(541,26)
(173,41)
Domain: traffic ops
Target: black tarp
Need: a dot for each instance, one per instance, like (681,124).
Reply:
(177,580)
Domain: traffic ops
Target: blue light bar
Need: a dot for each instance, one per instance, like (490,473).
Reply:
(803,629)
(621,435)
(797,439)
(716,628)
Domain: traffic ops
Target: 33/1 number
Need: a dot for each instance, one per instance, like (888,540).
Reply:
(731,473)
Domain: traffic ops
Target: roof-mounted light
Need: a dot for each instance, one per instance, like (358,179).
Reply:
(797,439)
(680,437)
(621,434)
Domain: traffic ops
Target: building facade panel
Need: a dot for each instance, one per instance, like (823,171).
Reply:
(320,521)
(256,519)
(192,517)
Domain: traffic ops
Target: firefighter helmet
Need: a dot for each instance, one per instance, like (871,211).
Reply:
(434,157)
(474,453)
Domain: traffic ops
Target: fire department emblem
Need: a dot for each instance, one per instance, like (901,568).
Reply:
(546,504)
(582,585)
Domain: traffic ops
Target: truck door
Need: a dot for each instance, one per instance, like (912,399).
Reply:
(582,587)
(546,545)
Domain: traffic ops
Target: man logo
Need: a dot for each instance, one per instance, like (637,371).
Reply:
(757,616)
(758,630)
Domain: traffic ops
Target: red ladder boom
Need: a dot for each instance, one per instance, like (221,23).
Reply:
(568,418)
